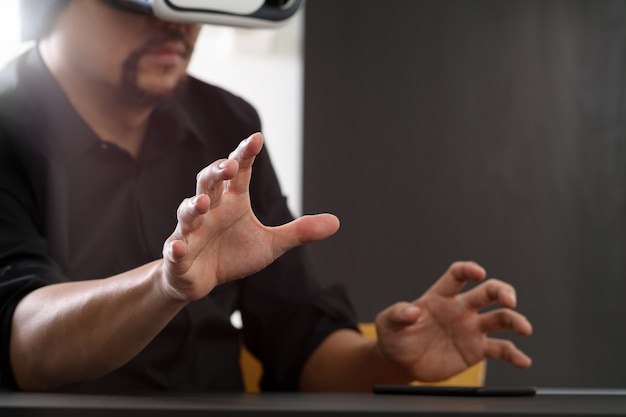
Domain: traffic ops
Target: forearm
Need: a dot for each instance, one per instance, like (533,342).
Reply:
(76,331)
(346,361)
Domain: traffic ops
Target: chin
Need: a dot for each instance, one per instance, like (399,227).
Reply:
(153,90)
(163,82)
(161,90)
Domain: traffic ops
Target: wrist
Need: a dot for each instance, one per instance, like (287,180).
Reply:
(162,282)
(390,370)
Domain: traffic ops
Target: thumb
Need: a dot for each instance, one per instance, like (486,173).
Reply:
(306,229)
(401,314)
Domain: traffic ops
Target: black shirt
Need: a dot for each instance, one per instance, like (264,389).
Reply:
(73,207)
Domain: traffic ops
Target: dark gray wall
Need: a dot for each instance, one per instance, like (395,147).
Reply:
(486,130)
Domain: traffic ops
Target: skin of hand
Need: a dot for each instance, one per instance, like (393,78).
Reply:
(430,339)
(218,238)
(442,332)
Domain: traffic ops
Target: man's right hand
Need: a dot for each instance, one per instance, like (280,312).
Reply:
(218,237)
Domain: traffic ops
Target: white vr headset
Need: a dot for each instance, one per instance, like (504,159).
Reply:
(243,13)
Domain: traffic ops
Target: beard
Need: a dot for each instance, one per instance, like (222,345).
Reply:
(131,91)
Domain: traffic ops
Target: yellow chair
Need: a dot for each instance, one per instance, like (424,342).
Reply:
(251,368)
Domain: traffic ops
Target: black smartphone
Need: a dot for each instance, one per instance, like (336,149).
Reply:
(455,391)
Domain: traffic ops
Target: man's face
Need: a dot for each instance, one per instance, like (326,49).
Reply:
(143,59)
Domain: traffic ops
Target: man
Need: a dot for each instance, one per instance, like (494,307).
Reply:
(111,280)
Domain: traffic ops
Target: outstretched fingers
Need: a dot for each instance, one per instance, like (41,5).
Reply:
(212,180)
(506,351)
(190,211)
(190,217)
(245,154)
(457,275)
(488,293)
(504,319)
(232,174)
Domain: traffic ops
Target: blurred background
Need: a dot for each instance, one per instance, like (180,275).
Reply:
(440,130)
(489,130)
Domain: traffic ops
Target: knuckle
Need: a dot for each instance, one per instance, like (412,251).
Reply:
(200,175)
(455,265)
(508,347)
(495,286)
(179,212)
(505,319)
(182,208)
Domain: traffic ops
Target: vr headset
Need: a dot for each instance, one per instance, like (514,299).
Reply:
(242,13)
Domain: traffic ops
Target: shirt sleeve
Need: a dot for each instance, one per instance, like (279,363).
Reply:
(286,312)
(24,263)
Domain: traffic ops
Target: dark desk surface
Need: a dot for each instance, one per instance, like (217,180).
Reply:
(547,402)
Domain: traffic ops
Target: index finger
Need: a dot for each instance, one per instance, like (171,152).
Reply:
(247,150)
(457,275)
(245,154)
